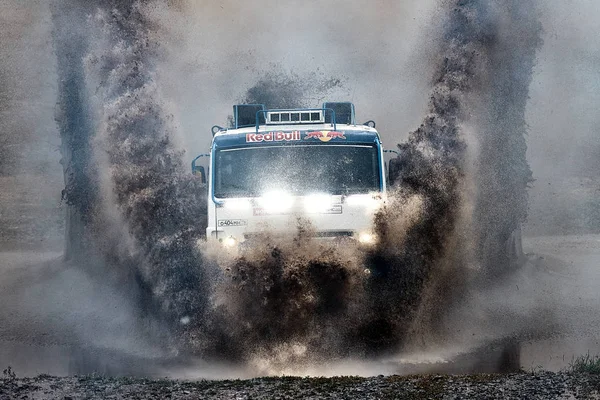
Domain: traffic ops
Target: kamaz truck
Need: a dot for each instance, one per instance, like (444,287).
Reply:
(272,167)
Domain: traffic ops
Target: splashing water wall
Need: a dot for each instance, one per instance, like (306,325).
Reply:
(460,192)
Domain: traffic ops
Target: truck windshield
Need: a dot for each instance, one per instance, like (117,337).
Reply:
(298,170)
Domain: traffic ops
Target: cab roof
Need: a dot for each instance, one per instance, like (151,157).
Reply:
(333,123)
(319,134)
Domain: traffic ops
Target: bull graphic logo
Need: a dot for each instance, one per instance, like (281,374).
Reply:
(324,136)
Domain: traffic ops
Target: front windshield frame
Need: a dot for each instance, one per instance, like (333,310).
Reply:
(375,185)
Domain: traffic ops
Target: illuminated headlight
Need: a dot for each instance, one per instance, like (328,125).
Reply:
(276,202)
(367,238)
(229,242)
(317,203)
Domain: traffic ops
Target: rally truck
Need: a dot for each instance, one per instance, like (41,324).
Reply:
(273,166)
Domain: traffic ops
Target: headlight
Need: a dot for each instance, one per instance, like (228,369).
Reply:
(229,242)
(276,202)
(367,238)
(317,203)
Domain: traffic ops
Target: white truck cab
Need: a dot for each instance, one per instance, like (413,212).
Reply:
(274,166)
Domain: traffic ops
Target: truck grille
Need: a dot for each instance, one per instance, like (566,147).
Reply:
(321,234)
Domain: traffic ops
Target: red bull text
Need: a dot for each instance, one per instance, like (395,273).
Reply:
(272,137)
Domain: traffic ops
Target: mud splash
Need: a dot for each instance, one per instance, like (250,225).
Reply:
(145,213)
(467,160)
(291,90)
(289,300)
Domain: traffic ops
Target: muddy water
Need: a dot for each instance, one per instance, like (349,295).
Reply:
(55,319)
(573,262)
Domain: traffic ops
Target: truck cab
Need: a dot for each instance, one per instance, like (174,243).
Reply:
(275,166)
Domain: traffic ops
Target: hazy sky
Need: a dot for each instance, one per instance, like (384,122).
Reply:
(565,92)
(380,50)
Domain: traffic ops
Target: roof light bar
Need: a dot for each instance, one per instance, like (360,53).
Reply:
(295,117)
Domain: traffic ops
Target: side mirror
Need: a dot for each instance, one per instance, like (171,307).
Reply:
(199,170)
(394,169)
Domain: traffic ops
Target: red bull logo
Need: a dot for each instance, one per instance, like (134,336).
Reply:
(324,136)
(272,137)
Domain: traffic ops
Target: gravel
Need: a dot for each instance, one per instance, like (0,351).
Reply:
(538,385)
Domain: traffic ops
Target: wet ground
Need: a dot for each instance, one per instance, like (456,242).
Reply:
(572,263)
(55,319)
